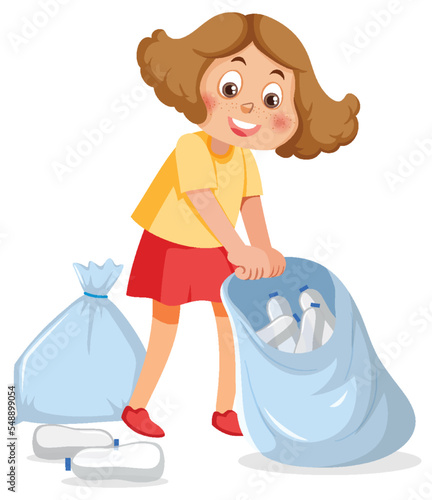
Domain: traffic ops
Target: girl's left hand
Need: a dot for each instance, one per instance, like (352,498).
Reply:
(277,262)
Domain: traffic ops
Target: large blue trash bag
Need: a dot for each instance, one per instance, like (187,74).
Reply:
(84,365)
(334,406)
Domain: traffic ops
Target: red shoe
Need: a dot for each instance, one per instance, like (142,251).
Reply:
(227,422)
(140,422)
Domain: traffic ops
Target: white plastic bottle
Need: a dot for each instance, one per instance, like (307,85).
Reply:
(140,461)
(52,442)
(310,296)
(311,330)
(281,333)
(278,306)
(290,343)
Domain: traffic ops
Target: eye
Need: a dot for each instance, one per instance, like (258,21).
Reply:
(272,95)
(230,84)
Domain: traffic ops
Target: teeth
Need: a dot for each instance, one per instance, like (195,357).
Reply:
(240,124)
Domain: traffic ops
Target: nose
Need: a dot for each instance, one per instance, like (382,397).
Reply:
(247,107)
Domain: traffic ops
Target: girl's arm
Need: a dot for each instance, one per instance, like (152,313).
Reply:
(253,262)
(256,228)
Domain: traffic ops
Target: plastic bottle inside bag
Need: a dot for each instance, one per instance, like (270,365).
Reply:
(277,306)
(311,330)
(310,296)
(281,333)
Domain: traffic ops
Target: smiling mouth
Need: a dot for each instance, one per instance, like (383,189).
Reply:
(243,129)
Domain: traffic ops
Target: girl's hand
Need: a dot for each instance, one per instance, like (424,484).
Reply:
(277,262)
(253,262)
(253,217)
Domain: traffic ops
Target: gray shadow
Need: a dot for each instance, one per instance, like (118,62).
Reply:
(394,462)
(111,483)
(34,458)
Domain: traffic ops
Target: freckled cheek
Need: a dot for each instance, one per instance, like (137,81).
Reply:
(210,102)
(281,122)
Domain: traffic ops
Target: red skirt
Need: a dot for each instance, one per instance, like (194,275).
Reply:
(174,274)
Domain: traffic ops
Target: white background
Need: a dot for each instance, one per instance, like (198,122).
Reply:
(71,74)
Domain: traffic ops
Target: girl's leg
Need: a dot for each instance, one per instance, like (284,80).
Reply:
(162,334)
(226,386)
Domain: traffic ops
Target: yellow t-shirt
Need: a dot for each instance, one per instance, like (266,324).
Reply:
(166,210)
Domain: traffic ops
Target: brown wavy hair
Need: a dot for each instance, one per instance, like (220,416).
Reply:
(174,68)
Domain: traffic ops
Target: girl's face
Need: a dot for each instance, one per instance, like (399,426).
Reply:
(249,100)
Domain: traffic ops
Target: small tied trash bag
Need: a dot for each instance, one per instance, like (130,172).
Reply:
(333,406)
(84,365)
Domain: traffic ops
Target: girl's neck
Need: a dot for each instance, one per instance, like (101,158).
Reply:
(219,147)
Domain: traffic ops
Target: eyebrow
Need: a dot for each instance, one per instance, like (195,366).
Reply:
(278,72)
(239,59)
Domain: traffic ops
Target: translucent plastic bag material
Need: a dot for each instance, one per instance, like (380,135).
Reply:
(334,406)
(84,365)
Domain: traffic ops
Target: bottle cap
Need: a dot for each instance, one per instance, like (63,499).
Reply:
(67,464)
(116,442)
(273,294)
(303,288)
(295,316)
(315,304)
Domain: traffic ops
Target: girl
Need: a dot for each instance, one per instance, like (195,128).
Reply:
(247,82)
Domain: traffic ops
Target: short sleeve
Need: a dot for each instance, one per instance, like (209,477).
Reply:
(252,185)
(194,164)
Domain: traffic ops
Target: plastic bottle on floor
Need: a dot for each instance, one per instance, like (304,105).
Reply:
(53,442)
(141,461)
